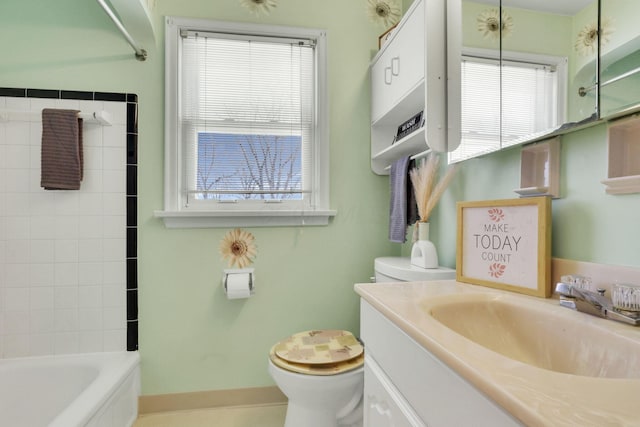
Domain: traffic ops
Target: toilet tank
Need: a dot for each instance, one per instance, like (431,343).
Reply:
(399,269)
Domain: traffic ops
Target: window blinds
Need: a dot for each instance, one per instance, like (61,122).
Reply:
(246,116)
(503,104)
(480,115)
(529,100)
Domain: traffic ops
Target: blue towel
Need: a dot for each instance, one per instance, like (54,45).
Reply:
(398,206)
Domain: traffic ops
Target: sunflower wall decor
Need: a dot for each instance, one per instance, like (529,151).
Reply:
(489,24)
(238,246)
(384,12)
(258,7)
(587,40)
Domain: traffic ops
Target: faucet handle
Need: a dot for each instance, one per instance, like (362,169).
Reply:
(582,282)
(601,291)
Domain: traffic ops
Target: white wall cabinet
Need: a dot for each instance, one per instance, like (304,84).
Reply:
(399,69)
(408,76)
(405,385)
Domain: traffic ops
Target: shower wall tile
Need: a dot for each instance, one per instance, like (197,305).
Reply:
(3,166)
(68,259)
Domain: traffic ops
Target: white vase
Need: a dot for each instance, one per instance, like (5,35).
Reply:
(423,252)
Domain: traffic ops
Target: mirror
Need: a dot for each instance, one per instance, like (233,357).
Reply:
(479,81)
(530,60)
(550,53)
(619,57)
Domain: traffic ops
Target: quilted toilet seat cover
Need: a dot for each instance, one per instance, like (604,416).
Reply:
(318,353)
(319,347)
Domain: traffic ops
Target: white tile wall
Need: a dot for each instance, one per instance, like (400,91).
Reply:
(62,253)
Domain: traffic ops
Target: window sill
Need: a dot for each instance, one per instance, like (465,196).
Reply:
(209,219)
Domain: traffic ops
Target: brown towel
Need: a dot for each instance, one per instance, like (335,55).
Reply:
(61,163)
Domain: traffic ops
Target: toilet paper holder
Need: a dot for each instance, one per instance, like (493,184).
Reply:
(227,272)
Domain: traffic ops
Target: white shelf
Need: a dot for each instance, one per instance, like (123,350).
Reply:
(540,169)
(622,185)
(410,104)
(531,191)
(411,144)
(383,131)
(399,87)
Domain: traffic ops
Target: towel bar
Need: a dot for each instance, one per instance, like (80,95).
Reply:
(97,117)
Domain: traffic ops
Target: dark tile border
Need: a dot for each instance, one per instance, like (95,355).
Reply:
(43,93)
(12,92)
(132,185)
(106,96)
(74,94)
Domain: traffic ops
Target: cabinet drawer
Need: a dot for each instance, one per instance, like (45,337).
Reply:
(400,68)
(384,406)
(439,396)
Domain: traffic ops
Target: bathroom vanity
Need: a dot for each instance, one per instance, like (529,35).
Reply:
(446,353)
(406,385)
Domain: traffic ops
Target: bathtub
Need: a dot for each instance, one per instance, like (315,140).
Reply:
(96,389)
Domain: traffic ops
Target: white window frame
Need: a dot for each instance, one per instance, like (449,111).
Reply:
(175,213)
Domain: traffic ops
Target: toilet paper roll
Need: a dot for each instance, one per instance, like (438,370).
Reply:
(238,285)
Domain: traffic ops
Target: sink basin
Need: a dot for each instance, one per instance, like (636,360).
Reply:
(530,332)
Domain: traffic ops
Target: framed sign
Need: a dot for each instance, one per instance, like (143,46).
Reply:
(411,125)
(384,37)
(506,244)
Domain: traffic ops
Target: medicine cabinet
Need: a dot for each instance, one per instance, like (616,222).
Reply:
(523,64)
(619,57)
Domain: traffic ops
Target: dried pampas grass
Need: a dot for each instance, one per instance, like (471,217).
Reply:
(427,191)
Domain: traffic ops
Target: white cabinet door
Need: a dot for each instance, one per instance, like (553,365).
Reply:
(407,65)
(383,404)
(400,68)
(381,80)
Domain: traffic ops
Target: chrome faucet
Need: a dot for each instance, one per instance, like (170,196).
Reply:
(594,303)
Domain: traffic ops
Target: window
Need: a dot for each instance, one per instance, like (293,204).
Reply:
(246,139)
(501,105)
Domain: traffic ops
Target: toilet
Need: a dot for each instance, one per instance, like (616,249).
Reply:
(322,371)
(399,269)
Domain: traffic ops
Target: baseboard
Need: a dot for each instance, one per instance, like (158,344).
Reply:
(210,399)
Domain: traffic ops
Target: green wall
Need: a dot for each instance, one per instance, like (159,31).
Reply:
(191,337)
(588,224)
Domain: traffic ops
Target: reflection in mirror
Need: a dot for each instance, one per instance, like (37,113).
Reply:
(480,80)
(555,56)
(619,57)
(529,75)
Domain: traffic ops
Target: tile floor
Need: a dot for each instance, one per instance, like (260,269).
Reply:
(237,416)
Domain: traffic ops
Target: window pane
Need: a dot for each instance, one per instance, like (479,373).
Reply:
(248,167)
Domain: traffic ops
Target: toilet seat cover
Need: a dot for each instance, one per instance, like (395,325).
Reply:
(318,370)
(319,347)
